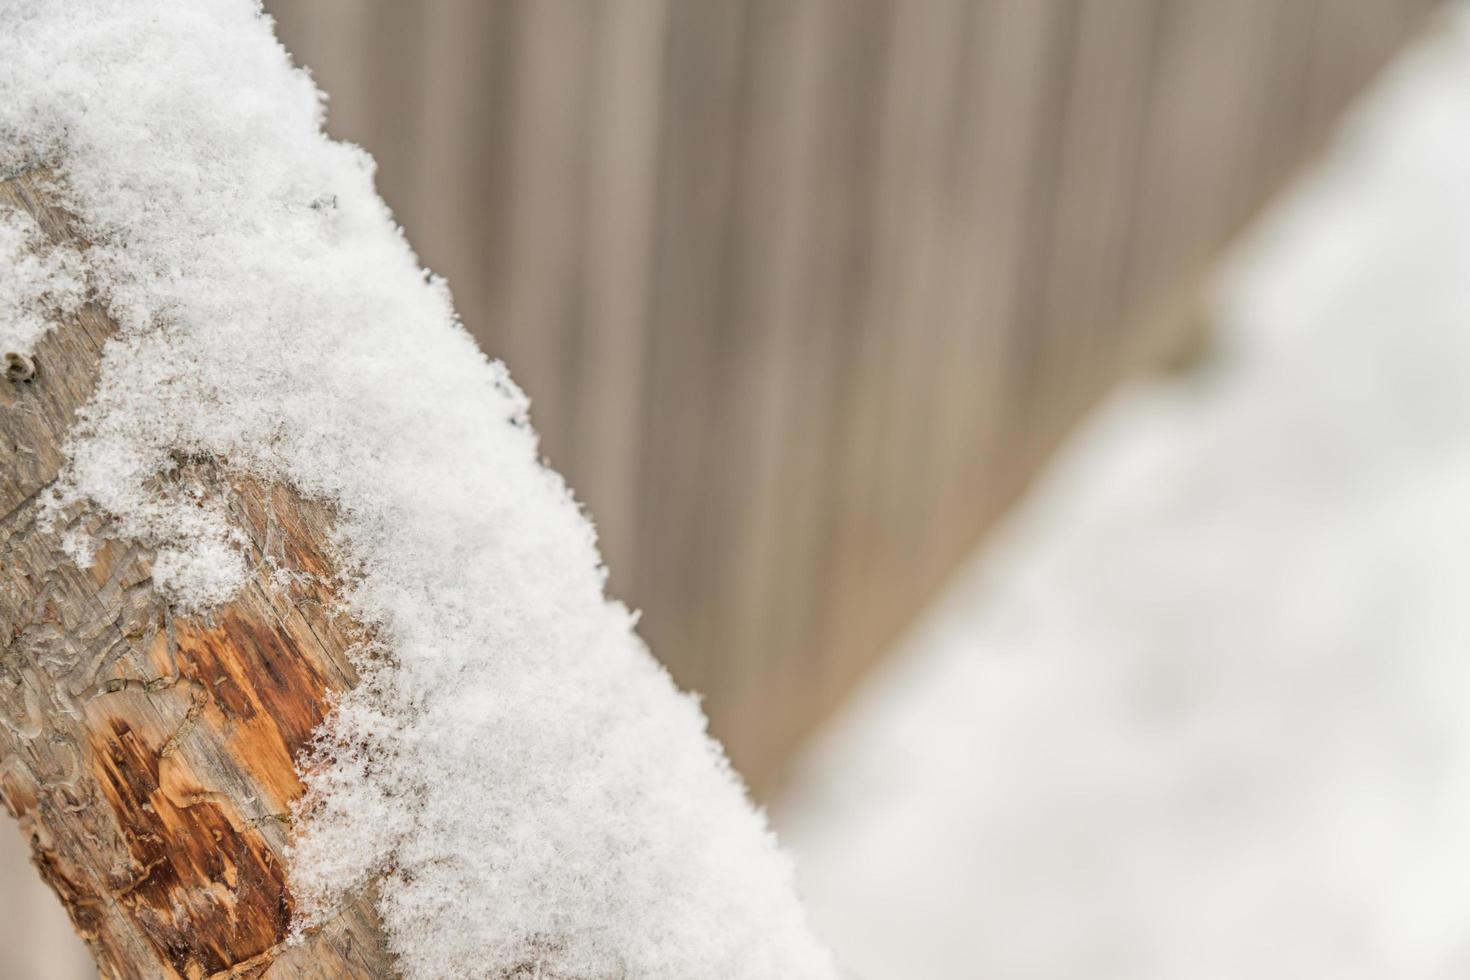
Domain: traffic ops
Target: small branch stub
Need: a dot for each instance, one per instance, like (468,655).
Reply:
(19,367)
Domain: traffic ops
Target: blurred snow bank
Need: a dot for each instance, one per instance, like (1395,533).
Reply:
(1203,710)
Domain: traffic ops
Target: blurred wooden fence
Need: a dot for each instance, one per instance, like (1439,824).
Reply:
(804,290)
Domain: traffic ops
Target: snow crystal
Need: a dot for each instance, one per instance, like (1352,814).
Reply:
(523,775)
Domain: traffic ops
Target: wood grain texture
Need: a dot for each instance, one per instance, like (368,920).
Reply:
(148,754)
(804,291)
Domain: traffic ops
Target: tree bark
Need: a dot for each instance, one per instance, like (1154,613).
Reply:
(148,753)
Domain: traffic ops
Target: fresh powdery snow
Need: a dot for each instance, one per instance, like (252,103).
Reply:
(38,282)
(525,775)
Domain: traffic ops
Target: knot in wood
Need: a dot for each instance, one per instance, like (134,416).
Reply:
(19,367)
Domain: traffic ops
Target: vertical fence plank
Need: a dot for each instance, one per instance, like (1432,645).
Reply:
(695,173)
(627,67)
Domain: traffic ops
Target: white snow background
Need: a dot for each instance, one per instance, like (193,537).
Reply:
(1202,710)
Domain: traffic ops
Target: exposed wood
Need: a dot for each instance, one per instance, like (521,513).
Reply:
(148,754)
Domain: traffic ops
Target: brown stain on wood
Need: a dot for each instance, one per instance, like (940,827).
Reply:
(204,888)
(265,697)
(199,867)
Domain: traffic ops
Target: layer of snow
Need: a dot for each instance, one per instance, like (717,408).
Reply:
(1202,711)
(38,282)
(524,773)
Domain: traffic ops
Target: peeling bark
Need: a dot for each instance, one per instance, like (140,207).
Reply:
(148,753)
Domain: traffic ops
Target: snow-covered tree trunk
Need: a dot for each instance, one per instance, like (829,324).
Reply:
(150,754)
